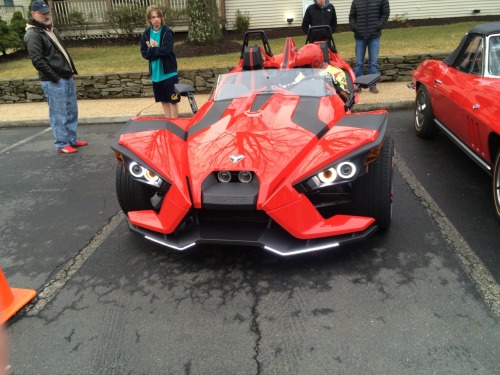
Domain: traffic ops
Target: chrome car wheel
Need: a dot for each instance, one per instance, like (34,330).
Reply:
(424,118)
(496,185)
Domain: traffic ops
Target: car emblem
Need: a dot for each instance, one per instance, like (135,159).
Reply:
(236,158)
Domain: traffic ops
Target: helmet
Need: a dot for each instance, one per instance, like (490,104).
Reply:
(310,55)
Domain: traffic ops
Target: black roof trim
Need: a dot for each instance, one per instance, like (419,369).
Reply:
(370,121)
(213,115)
(483,29)
(486,28)
(138,125)
(306,116)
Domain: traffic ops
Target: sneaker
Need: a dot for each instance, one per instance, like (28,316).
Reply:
(79,144)
(67,150)
(374,90)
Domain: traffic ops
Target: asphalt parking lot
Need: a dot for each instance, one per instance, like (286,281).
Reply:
(402,302)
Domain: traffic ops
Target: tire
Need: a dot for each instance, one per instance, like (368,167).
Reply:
(373,192)
(132,195)
(424,117)
(496,185)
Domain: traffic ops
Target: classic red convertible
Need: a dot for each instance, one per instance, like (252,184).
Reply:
(274,159)
(461,97)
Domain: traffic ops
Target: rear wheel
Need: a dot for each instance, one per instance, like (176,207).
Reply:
(424,118)
(373,192)
(132,195)
(496,185)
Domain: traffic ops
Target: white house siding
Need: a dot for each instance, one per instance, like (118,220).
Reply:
(265,14)
(19,5)
(443,8)
(23,3)
(268,14)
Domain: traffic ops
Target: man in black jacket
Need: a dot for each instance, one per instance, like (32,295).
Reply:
(320,13)
(55,70)
(367,18)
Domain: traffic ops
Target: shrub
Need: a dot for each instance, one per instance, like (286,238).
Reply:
(8,38)
(241,21)
(18,24)
(78,19)
(401,18)
(126,20)
(204,25)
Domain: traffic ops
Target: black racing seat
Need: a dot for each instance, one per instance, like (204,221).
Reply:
(324,49)
(252,58)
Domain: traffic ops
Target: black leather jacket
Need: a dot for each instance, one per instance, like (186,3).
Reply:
(46,55)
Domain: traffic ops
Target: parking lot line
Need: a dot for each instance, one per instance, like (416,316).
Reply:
(483,280)
(23,141)
(53,286)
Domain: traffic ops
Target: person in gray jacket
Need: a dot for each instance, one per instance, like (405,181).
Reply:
(367,18)
(55,70)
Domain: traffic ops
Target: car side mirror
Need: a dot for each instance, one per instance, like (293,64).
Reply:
(183,89)
(187,90)
(362,82)
(367,80)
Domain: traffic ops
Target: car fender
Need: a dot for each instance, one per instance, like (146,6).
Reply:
(352,135)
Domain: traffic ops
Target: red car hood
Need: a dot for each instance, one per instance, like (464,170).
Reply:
(267,137)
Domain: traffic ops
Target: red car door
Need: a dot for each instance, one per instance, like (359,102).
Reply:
(482,107)
(460,86)
(447,95)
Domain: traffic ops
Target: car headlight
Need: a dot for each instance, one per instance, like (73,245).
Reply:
(342,171)
(327,176)
(144,175)
(336,174)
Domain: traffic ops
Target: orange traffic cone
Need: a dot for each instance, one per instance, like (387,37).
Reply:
(12,299)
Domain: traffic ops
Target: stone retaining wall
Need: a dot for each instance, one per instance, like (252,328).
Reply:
(138,84)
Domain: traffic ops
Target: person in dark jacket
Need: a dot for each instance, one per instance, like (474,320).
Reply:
(367,18)
(321,12)
(56,70)
(157,46)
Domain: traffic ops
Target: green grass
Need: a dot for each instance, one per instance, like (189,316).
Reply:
(416,40)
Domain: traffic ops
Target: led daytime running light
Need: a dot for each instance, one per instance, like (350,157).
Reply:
(346,170)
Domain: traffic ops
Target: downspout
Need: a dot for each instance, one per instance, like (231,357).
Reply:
(222,10)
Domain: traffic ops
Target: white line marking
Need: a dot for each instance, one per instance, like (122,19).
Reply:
(57,282)
(481,277)
(25,140)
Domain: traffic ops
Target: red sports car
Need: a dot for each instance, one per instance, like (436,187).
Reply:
(274,159)
(461,97)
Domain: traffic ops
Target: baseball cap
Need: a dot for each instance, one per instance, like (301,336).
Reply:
(40,6)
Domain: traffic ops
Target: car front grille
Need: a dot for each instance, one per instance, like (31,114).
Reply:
(252,216)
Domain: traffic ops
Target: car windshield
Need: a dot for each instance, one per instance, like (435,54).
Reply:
(494,56)
(301,82)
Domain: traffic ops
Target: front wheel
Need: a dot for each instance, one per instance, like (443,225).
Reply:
(373,192)
(496,184)
(424,117)
(132,195)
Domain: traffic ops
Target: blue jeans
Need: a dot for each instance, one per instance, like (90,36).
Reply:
(63,110)
(373,46)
